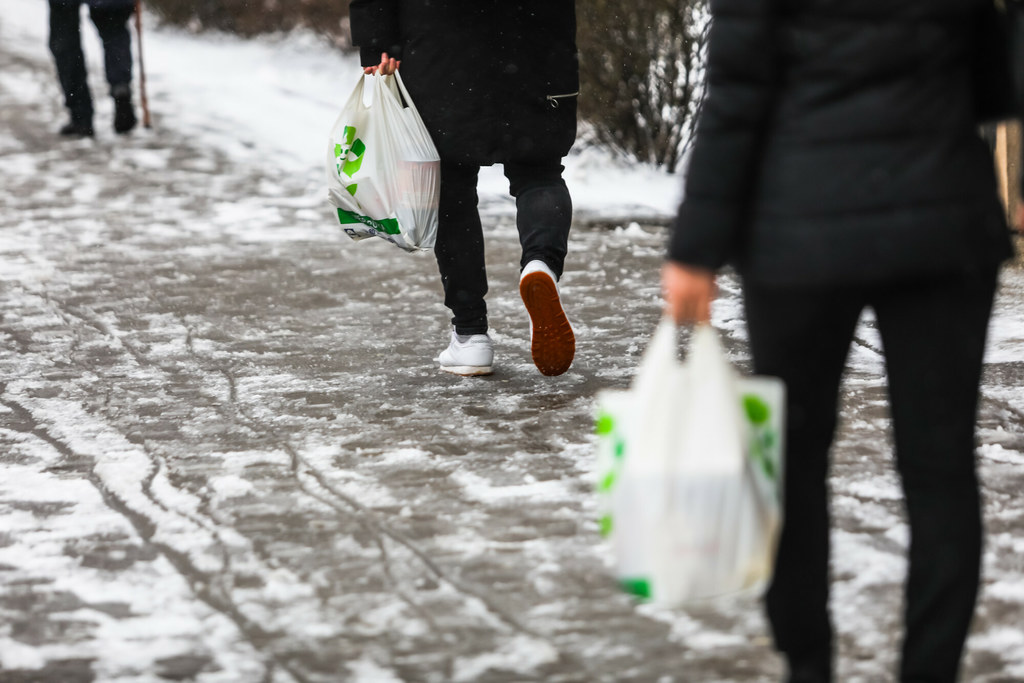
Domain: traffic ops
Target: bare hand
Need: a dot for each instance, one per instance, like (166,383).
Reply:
(688,293)
(1018,219)
(387,66)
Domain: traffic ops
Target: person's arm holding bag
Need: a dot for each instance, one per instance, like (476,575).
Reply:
(742,78)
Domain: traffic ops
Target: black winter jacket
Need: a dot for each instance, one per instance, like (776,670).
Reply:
(495,80)
(838,145)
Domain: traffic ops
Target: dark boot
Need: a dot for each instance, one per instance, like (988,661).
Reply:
(124,111)
(815,668)
(77,129)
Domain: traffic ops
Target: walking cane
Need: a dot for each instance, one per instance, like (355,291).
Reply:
(146,122)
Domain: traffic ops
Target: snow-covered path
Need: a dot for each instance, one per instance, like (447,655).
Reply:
(226,455)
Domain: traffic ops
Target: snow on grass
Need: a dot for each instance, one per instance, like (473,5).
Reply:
(272,101)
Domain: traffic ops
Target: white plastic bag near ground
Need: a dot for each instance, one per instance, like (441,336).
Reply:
(383,171)
(690,465)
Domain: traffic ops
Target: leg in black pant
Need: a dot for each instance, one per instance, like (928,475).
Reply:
(543,211)
(460,248)
(112,25)
(803,336)
(543,217)
(66,46)
(934,395)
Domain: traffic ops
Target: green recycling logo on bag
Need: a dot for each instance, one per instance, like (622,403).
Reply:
(343,164)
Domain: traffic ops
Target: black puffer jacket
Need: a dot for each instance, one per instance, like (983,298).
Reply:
(838,144)
(495,80)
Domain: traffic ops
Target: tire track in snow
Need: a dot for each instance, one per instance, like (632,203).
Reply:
(208,585)
(205,583)
(147,528)
(310,478)
(312,481)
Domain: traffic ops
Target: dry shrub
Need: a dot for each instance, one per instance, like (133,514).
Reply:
(252,17)
(642,72)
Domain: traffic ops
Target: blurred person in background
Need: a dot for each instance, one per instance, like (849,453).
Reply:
(495,82)
(838,166)
(111,20)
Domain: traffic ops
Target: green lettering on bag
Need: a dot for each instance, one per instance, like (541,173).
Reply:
(607,483)
(605,525)
(352,189)
(638,587)
(389,226)
(605,424)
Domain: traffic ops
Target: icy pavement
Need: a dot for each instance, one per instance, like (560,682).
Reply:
(226,454)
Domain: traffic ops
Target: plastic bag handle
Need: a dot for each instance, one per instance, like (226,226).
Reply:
(661,351)
(358,95)
(405,94)
(662,348)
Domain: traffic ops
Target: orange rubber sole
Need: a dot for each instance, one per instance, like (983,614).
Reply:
(553,345)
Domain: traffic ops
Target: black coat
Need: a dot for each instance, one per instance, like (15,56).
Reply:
(495,80)
(838,145)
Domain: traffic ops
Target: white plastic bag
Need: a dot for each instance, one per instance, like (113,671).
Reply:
(383,170)
(689,466)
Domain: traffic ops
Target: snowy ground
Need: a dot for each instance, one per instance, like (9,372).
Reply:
(225,453)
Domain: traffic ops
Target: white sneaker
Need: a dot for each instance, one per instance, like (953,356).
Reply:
(552,343)
(468,355)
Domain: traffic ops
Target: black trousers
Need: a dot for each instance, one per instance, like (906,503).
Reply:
(933,335)
(543,217)
(66,46)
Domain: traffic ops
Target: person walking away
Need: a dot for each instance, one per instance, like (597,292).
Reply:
(495,82)
(837,165)
(111,20)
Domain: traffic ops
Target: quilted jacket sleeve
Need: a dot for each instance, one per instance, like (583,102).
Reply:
(375,29)
(742,77)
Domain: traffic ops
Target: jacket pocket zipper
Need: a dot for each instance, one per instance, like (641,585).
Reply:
(553,99)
